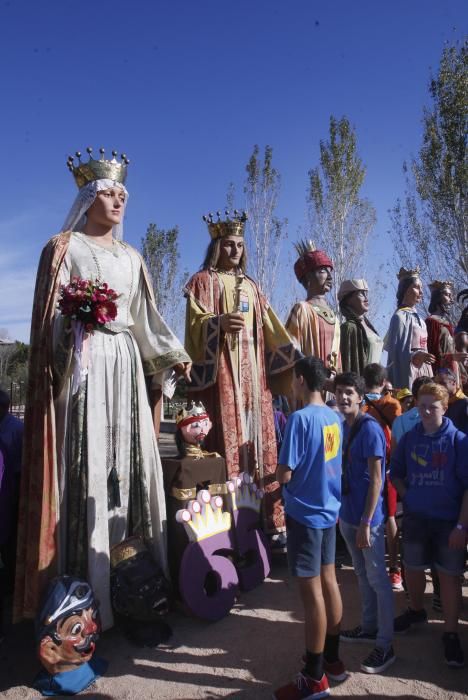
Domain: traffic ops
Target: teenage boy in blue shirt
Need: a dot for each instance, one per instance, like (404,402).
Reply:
(430,472)
(310,469)
(362,521)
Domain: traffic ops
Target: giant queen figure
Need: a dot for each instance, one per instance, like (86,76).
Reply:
(240,350)
(92,474)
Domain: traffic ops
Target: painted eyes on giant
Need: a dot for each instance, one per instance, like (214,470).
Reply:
(76,629)
(110,193)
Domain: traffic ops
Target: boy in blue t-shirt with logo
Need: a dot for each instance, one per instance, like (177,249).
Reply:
(362,521)
(309,466)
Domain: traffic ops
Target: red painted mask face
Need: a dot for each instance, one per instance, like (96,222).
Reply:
(194,433)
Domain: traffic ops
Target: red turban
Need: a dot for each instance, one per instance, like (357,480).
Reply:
(311,261)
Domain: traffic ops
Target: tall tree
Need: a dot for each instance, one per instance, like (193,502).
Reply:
(265,231)
(429,226)
(340,220)
(160,251)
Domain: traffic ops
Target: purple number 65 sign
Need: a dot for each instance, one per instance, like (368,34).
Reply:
(208,579)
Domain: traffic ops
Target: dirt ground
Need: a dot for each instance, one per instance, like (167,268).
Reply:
(246,655)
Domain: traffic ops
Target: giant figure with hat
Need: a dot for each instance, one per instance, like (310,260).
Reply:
(92,473)
(239,350)
(360,343)
(312,323)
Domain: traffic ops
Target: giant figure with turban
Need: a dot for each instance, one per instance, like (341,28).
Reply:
(312,323)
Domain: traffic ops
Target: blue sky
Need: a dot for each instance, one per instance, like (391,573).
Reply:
(186,88)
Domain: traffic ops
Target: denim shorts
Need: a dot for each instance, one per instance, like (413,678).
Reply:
(425,543)
(309,548)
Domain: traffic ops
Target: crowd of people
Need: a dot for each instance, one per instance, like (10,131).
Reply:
(92,474)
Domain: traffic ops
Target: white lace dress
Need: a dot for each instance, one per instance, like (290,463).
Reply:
(110,479)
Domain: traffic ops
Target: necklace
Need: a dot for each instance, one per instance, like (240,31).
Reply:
(118,245)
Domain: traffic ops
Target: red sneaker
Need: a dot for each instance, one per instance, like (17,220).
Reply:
(395,580)
(335,671)
(303,688)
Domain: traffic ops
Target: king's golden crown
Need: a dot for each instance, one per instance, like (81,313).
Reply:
(230,226)
(440,284)
(98,169)
(404,273)
(192,410)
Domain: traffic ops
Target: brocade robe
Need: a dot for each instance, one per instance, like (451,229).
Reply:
(231,375)
(316,330)
(440,343)
(91,469)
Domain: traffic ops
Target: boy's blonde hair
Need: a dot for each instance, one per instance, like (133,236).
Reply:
(438,391)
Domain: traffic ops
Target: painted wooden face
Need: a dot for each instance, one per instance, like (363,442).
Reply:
(194,433)
(72,643)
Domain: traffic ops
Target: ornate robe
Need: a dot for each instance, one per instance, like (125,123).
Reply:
(91,468)
(230,374)
(316,330)
(406,335)
(440,342)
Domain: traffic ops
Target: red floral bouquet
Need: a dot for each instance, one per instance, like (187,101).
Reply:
(91,303)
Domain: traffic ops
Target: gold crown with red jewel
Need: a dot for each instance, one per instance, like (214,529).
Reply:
(100,169)
(232,225)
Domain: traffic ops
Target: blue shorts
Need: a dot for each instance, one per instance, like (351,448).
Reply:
(309,548)
(425,543)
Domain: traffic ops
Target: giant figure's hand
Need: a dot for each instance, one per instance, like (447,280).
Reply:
(421,357)
(183,369)
(460,357)
(232,323)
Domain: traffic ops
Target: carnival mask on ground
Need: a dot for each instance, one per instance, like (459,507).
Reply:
(67,628)
(139,593)
(193,425)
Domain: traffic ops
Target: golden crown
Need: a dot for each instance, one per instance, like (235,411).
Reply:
(303,247)
(231,226)
(192,410)
(440,284)
(98,169)
(243,493)
(405,273)
(204,517)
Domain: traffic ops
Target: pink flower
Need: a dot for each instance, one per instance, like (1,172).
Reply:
(104,312)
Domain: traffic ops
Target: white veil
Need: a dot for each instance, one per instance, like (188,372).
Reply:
(76,217)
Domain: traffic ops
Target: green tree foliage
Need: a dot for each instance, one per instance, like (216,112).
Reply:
(160,251)
(340,219)
(429,226)
(265,231)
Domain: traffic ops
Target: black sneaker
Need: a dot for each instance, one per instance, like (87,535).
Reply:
(453,652)
(378,660)
(403,622)
(357,635)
